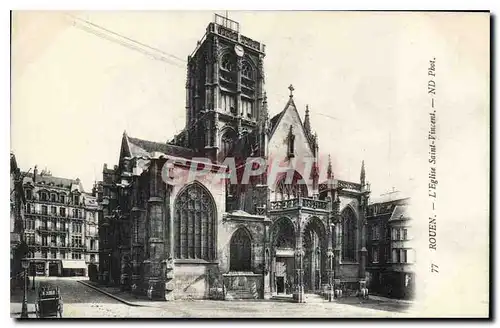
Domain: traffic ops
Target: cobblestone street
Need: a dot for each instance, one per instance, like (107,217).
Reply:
(82,301)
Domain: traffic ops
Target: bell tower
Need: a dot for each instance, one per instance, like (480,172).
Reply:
(224,88)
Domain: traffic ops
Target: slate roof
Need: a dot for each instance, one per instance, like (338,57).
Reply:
(48,179)
(275,119)
(400,213)
(140,147)
(388,197)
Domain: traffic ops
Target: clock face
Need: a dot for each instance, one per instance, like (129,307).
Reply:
(238,49)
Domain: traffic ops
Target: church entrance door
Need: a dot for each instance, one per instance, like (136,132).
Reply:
(314,245)
(282,263)
(284,275)
(280,285)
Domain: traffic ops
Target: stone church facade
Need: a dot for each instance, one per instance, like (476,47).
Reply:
(282,233)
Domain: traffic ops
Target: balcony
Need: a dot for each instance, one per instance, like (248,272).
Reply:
(46,214)
(78,246)
(48,245)
(32,244)
(300,202)
(66,202)
(43,230)
(49,230)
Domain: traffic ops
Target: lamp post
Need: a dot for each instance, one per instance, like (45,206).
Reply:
(34,274)
(24,310)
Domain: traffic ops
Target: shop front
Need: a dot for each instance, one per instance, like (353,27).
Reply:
(74,268)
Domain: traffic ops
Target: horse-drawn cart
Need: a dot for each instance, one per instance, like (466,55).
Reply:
(49,303)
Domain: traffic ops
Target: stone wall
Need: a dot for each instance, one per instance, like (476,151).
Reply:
(194,280)
(349,271)
(243,286)
(256,231)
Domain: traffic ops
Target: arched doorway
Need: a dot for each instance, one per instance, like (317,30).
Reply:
(283,264)
(314,244)
(240,251)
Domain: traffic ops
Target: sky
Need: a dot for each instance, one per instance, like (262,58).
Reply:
(74,92)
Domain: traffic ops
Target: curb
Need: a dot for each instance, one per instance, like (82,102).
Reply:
(110,295)
(386,299)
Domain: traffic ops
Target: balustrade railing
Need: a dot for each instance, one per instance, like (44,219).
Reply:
(349,185)
(313,203)
(296,202)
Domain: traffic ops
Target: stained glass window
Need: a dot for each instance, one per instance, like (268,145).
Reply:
(348,235)
(194,224)
(227,63)
(290,187)
(246,71)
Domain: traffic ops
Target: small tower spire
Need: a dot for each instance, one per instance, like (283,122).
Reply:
(363,174)
(265,113)
(329,171)
(307,123)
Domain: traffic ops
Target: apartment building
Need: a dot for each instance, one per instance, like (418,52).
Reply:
(391,254)
(60,225)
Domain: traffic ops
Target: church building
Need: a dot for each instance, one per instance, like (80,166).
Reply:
(220,234)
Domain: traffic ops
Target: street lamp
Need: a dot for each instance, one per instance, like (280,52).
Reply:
(34,274)
(24,310)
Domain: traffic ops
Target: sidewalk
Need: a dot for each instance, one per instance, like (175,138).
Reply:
(121,296)
(141,300)
(393,300)
(16,302)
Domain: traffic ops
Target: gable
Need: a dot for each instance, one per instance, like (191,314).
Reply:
(278,140)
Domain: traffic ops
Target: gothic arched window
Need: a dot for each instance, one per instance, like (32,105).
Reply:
(227,63)
(194,224)
(240,251)
(348,235)
(247,71)
(283,234)
(226,143)
(290,186)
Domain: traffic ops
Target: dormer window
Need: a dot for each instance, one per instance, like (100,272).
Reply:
(62,198)
(75,200)
(29,194)
(43,196)
(53,198)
